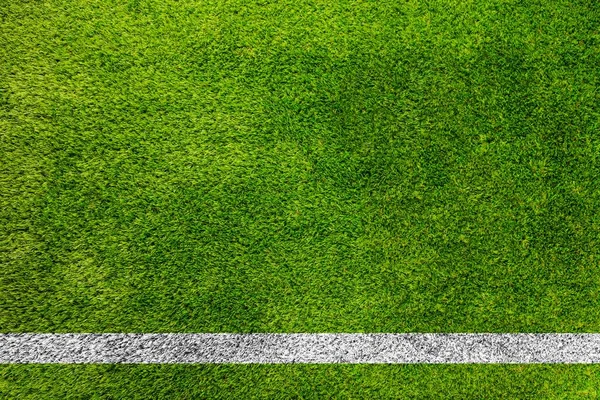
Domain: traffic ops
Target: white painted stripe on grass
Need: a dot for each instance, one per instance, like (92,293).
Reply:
(171,348)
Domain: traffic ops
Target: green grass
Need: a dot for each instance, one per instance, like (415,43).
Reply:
(299,166)
(300,382)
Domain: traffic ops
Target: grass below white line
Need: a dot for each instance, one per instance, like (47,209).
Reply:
(321,348)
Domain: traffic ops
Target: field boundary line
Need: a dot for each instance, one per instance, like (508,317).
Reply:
(310,348)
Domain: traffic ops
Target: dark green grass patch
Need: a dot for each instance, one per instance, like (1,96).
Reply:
(299,166)
(300,381)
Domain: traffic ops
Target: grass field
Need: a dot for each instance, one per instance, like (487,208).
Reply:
(300,166)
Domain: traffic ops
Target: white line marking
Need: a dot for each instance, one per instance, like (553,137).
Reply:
(320,348)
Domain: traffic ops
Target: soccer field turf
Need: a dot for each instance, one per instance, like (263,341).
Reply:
(300,166)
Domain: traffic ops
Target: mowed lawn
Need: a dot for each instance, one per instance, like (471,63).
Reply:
(300,166)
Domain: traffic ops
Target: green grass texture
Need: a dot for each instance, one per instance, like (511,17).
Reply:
(299,166)
(300,382)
